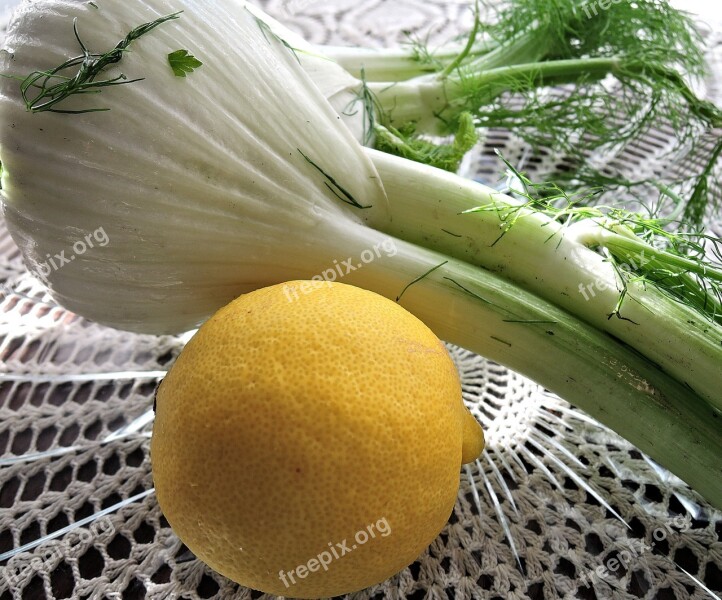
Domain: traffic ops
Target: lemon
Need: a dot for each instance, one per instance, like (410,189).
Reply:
(308,440)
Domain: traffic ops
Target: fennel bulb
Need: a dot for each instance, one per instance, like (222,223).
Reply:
(241,175)
(162,174)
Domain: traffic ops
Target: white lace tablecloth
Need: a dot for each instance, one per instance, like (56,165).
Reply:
(554,503)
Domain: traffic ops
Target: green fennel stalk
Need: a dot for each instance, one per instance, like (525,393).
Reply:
(476,224)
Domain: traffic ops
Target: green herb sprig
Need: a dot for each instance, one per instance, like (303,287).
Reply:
(183,62)
(43,91)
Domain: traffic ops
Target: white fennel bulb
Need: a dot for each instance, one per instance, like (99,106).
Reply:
(342,90)
(199,179)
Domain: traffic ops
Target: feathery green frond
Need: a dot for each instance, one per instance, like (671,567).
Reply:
(52,87)
(406,144)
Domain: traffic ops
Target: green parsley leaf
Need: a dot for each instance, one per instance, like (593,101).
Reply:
(182,62)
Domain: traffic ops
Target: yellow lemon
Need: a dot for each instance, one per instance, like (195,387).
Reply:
(308,439)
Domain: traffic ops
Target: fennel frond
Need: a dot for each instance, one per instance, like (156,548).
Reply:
(44,90)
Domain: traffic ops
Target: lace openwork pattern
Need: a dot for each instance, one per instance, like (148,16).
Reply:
(554,496)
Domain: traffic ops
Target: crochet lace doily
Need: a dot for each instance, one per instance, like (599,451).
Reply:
(553,499)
